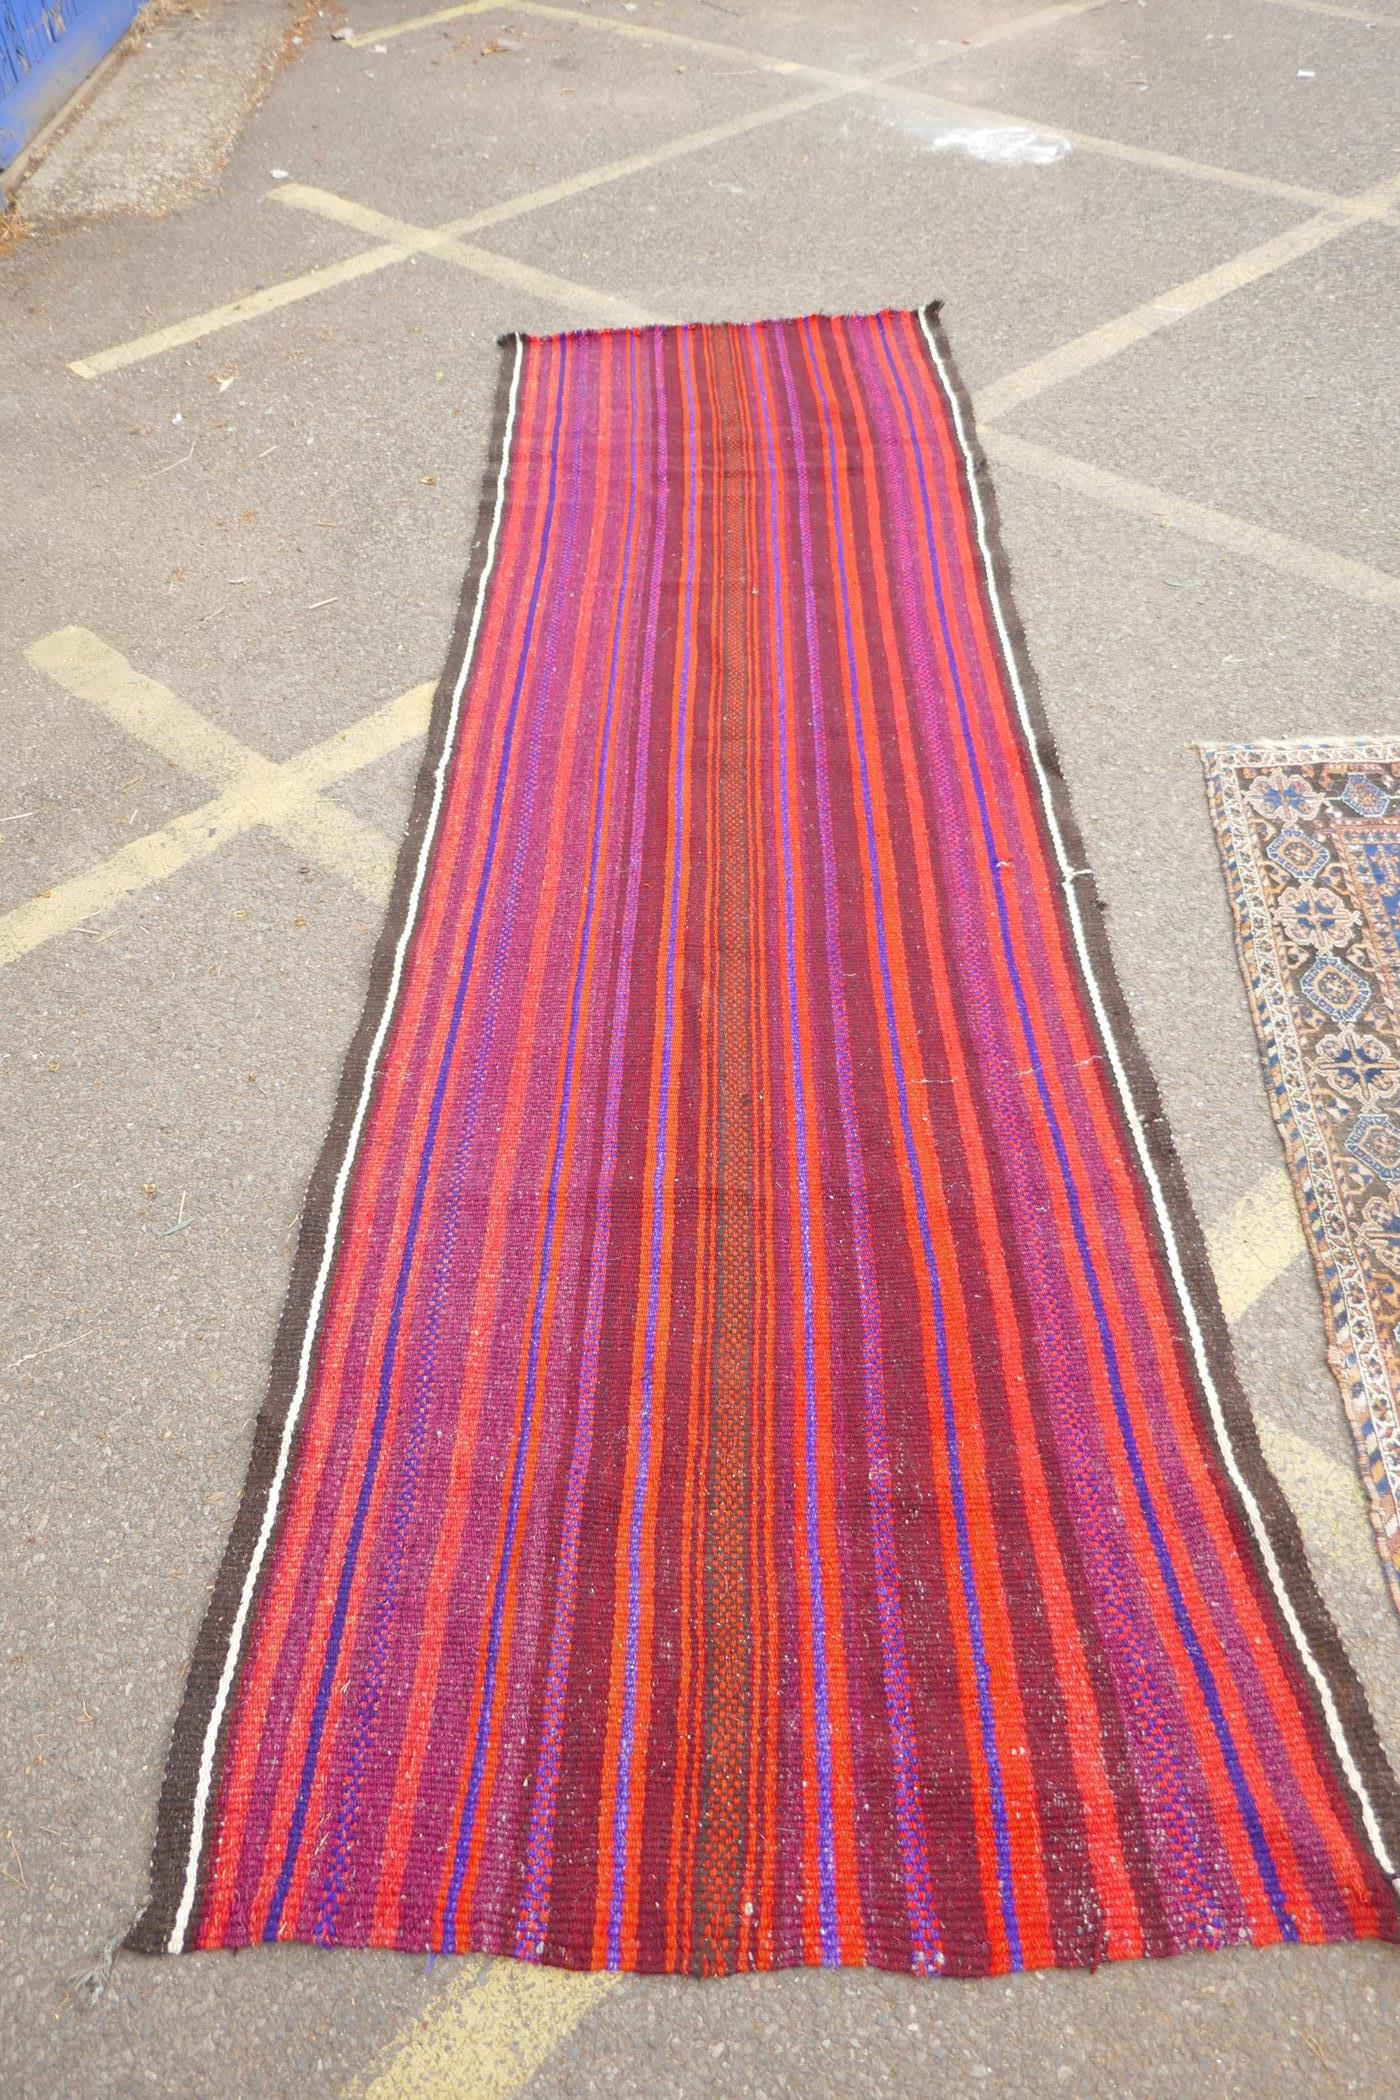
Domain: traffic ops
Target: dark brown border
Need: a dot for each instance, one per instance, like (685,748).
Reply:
(151,1932)
(1280,1523)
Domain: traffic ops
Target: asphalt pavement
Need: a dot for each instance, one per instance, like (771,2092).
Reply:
(245,406)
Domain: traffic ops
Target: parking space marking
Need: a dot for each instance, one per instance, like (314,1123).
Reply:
(439,15)
(1282,551)
(896,88)
(1217,528)
(269,300)
(498,2024)
(1255,1242)
(1083,352)
(83,664)
(995,33)
(1343,14)
(1326,1492)
(1012,390)
(597,307)
(884,80)
(285,797)
(312,282)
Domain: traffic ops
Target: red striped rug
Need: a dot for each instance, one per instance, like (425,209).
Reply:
(753,1471)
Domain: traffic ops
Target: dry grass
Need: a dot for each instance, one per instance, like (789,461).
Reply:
(12,231)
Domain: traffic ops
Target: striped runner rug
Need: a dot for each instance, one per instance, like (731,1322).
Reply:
(753,1471)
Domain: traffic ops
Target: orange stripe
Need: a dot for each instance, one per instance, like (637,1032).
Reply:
(675,857)
(1148,1276)
(1224,1806)
(572,704)
(421,1282)
(1104,1852)
(706,1248)
(481,1327)
(848,1892)
(767,1258)
(325,1405)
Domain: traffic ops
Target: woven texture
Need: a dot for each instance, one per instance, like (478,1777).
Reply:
(753,1473)
(1310,840)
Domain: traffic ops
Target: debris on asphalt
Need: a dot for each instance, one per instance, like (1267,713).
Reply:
(181,1224)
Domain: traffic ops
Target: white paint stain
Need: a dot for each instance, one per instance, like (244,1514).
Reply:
(1003,145)
(951,130)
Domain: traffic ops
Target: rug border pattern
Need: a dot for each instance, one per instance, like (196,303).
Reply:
(1354,1349)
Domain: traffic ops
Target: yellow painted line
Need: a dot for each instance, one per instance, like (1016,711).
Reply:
(336,837)
(1277,550)
(145,862)
(323,830)
(1342,14)
(640,32)
(657,156)
(836,85)
(1325,1493)
(1094,347)
(1252,1245)
(996,33)
(441,14)
(888,85)
(248,308)
(1118,149)
(84,665)
(1016,26)
(312,282)
(372,737)
(286,802)
(882,81)
(352,849)
(496,2027)
(253,305)
(595,306)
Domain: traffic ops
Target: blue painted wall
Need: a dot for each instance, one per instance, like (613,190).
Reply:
(48,48)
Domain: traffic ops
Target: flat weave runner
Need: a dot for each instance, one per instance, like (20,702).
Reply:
(753,1472)
(1309,838)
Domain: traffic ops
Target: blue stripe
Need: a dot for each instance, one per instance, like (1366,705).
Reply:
(483,1730)
(352,1549)
(1204,1677)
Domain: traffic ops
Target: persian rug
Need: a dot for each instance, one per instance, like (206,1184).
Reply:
(1309,836)
(753,1471)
